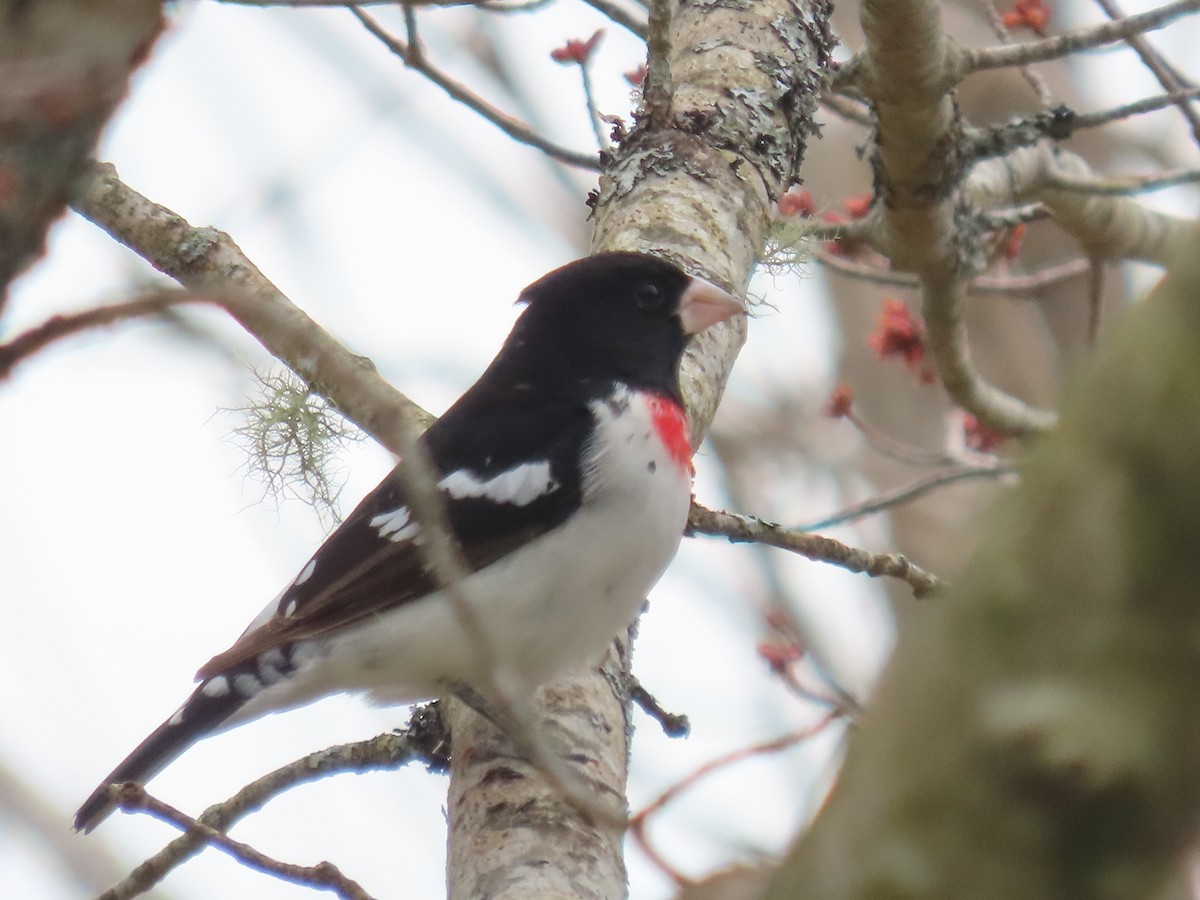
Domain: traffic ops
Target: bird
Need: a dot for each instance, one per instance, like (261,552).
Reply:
(566,476)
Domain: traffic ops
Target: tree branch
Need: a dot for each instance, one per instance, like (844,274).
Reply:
(1159,67)
(982,59)
(515,129)
(909,492)
(696,186)
(1108,227)
(56,328)
(620,16)
(209,263)
(748,529)
(423,739)
(132,797)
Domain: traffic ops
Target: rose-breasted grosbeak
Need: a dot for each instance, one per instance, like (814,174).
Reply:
(566,473)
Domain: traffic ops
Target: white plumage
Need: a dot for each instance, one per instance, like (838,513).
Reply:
(555,602)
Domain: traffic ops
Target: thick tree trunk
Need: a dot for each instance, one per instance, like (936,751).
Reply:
(695,182)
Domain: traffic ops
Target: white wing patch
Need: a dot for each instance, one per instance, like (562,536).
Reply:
(395,525)
(217,687)
(519,486)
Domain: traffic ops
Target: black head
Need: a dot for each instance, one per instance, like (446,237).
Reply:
(622,316)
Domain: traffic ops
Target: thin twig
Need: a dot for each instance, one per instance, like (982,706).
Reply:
(986,284)
(516,6)
(620,17)
(984,58)
(657,88)
(1095,300)
(423,739)
(883,443)
(132,797)
(850,109)
(1035,81)
(908,493)
(673,724)
(1051,275)
(1136,108)
(58,327)
(589,96)
(318,3)
(748,529)
(515,129)
(1163,71)
(208,263)
(1120,187)
(637,824)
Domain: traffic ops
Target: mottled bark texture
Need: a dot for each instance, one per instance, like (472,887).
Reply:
(694,182)
(1036,736)
(64,66)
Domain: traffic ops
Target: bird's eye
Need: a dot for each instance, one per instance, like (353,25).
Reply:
(648,295)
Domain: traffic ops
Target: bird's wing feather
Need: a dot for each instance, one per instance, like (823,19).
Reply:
(509,472)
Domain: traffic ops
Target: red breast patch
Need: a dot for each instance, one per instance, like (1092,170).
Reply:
(671,425)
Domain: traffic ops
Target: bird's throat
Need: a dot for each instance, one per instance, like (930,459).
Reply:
(671,424)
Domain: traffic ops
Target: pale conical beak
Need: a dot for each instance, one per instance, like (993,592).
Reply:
(703,305)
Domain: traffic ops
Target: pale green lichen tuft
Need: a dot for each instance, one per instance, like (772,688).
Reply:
(293,436)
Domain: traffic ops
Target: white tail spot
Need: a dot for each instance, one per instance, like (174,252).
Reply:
(216,687)
(306,572)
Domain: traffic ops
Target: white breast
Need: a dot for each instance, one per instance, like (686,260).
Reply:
(552,605)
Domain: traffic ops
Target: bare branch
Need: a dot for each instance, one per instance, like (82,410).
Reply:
(637,826)
(886,445)
(319,3)
(981,59)
(848,108)
(672,724)
(515,129)
(1158,66)
(132,797)
(907,493)
(1138,107)
(748,529)
(424,739)
(1013,283)
(209,263)
(1118,187)
(1032,77)
(1008,283)
(56,328)
(1108,227)
(620,17)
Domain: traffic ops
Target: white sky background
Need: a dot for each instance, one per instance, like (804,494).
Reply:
(135,548)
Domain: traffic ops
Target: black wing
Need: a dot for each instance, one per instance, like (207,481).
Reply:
(371,563)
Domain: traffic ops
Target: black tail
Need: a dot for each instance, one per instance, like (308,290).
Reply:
(202,714)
